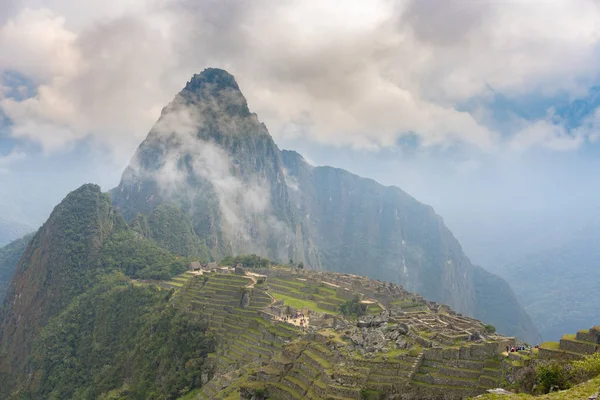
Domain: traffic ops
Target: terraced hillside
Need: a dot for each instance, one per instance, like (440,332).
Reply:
(281,332)
(572,346)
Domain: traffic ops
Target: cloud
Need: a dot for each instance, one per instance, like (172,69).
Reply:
(545,134)
(10,158)
(360,75)
(188,162)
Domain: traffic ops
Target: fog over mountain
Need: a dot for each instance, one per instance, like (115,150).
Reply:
(482,117)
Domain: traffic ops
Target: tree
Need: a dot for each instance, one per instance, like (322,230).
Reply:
(301,265)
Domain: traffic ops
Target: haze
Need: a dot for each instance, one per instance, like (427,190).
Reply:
(487,110)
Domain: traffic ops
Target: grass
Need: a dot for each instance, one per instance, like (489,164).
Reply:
(582,391)
(299,303)
(550,345)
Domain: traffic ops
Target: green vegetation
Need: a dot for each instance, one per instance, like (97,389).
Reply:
(139,257)
(353,307)
(557,374)
(247,261)
(489,328)
(120,341)
(298,303)
(9,257)
(170,229)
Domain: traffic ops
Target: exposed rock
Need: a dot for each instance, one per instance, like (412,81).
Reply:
(373,340)
(245,302)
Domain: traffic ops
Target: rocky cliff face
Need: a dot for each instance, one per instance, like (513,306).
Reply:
(209,156)
(57,264)
(362,227)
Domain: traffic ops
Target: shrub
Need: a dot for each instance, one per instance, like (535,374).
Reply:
(554,375)
(353,307)
(587,368)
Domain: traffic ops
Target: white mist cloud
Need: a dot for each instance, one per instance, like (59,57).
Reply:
(244,202)
(361,74)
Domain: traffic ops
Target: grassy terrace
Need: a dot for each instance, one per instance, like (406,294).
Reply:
(582,391)
(550,345)
(298,303)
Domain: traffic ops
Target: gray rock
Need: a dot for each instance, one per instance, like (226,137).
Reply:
(593,397)
(373,340)
(402,328)
(245,302)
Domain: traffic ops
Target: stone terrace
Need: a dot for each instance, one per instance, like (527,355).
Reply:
(404,344)
(576,346)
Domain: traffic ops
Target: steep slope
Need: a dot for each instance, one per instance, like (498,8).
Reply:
(76,322)
(362,227)
(557,286)
(57,264)
(9,257)
(212,159)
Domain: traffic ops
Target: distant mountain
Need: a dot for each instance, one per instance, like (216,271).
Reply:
(209,157)
(9,257)
(11,230)
(557,285)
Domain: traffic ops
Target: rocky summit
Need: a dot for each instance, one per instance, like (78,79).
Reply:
(216,163)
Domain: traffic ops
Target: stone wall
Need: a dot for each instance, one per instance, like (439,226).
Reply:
(578,346)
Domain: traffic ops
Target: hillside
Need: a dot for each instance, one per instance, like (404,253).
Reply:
(9,257)
(212,159)
(75,319)
(401,343)
(96,309)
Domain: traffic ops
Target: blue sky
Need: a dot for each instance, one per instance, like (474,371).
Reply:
(489,111)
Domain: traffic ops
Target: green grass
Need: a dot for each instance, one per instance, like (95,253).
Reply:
(299,303)
(550,345)
(582,391)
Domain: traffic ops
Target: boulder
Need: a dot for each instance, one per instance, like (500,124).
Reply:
(374,340)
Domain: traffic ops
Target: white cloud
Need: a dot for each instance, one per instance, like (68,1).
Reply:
(545,134)
(357,75)
(10,158)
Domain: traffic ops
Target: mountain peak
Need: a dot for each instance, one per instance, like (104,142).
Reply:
(215,78)
(217,90)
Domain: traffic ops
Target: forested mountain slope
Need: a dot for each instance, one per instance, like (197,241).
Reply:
(211,158)
(74,324)
(9,257)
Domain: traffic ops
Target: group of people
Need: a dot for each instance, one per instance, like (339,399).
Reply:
(295,317)
(517,348)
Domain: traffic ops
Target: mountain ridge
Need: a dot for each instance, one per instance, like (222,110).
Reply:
(212,158)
